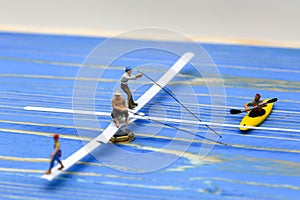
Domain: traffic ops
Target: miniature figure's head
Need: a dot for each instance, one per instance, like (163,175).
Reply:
(55,137)
(117,94)
(257,97)
(128,70)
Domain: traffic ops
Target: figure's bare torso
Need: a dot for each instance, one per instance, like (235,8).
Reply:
(119,102)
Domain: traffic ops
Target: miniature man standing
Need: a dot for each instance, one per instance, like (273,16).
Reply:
(124,85)
(55,154)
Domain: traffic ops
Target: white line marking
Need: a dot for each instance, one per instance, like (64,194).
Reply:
(62,110)
(106,135)
(59,110)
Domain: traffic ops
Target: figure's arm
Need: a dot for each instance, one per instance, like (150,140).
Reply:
(139,75)
(124,104)
(115,106)
(261,104)
(129,77)
(246,106)
(55,151)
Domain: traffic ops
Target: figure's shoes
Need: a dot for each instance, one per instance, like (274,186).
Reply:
(131,107)
(136,104)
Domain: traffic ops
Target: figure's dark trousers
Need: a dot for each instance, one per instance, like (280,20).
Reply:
(126,89)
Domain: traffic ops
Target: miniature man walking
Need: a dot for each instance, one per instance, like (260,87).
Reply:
(124,85)
(56,154)
(119,108)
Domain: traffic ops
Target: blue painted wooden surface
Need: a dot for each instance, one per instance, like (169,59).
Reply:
(39,70)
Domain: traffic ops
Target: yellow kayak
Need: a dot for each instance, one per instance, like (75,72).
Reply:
(255,121)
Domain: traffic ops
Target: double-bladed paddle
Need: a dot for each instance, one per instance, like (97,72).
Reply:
(236,111)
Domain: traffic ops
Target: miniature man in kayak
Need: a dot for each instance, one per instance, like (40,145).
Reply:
(119,108)
(256,102)
(56,154)
(124,85)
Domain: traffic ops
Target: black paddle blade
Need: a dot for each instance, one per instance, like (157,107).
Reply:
(272,100)
(235,111)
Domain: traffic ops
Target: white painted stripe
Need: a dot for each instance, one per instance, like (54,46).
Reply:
(78,155)
(62,110)
(105,136)
(167,77)
(59,110)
